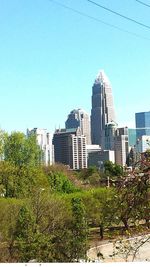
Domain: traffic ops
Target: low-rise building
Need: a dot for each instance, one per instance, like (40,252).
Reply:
(97,157)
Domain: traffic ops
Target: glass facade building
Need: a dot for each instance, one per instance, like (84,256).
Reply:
(132,137)
(142,120)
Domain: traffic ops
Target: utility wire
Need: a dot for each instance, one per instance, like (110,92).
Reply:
(118,14)
(142,3)
(98,20)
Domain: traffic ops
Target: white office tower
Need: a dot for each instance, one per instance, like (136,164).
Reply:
(44,140)
(143,144)
(79,154)
(102,107)
(121,146)
(78,118)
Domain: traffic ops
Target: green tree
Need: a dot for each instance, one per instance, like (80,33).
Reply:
(92,208)
(54,219)
(105,201)
(84,174)
(79,230)
(7,179)
(112,169)
(9,210)
(24,235)
(132,198)
(90,176)
(20,182)
(29,180)
(59,182)
(20,150)
(94,179)
(3,136)
(29,242)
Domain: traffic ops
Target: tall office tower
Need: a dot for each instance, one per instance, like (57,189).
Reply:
(79,118)
(132,137)
(44,140)
(70,148)
(109,135)
(102,107)
(142,120)
(121,146)
(116,139)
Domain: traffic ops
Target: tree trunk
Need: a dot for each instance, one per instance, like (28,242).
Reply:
(101,228)
(125,222)
(147,223)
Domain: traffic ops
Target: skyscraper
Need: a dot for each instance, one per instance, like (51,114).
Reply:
(121,146)
(79,118)
(116,139)
(132,137)
(70,148)
(142,120)
(109,136)
(102,107)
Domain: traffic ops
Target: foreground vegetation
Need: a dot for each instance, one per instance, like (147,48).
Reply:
(46,213)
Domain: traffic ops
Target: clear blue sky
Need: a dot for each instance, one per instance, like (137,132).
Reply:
(50,56)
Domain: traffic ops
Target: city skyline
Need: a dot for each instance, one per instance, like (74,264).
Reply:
(50,56)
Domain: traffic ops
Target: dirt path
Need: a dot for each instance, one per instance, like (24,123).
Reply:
(104,250)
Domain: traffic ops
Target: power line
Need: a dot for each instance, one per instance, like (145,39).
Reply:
(98,20)
(118,14)
(142,3)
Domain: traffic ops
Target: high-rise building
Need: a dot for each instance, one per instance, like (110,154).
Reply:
(121,146)
(44,140)
(109,136)
(70,148)
(132,137)
(79,118)
(102,107)
(116,139)
(142,120)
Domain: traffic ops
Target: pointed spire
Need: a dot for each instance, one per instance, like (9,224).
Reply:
(102,78)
